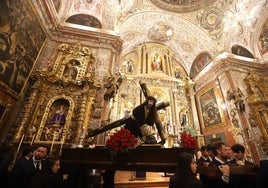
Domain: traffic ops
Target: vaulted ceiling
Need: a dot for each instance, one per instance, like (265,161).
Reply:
(187,27)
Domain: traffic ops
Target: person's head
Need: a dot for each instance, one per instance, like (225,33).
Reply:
(239,151)
(204,151)
(28,151)
(210,150)
(41,152)
(187,163)
(230,152)
(52,164)
(150,101)
(221,151)
(198,154)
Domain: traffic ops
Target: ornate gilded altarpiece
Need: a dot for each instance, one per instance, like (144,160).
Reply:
(64,100)
(257,91)
(153,65)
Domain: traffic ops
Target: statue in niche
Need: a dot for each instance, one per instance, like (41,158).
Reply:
(183,119)
(129,66)
(71,69)
(55,123)
(156,62)
(177,74)
(58,118)
(112,85)
(256,90)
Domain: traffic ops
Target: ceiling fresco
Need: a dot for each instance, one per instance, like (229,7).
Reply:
(188,28)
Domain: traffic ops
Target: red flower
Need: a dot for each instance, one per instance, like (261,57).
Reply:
(188,141)
(121,142)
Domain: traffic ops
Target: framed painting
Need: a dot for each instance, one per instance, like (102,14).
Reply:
(21,38)
(214,138)
(210,112)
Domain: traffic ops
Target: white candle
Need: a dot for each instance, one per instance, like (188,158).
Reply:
(32,139)
(52,144)
(20,143)
(62,142)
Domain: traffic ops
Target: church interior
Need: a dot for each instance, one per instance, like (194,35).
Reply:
(81,64)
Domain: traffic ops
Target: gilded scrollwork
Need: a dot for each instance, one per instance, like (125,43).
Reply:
(257,97)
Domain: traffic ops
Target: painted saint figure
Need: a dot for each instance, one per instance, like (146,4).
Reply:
(157,62)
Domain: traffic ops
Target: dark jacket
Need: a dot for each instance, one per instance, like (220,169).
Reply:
(48,180)
(191,183)
(22,173)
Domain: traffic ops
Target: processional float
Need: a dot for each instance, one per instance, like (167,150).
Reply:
(122,121)
(147,158)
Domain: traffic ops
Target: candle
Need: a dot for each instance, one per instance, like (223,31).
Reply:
(62,142)
(52,144)
(20,143)
(32,139)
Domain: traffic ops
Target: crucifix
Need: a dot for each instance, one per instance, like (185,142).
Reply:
(122,121)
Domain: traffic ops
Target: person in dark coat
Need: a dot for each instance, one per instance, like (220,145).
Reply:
(239,156)
(185,175)
(221,153)
(6,156)
(49,176)
(203,160)
(245,180)
(25,169)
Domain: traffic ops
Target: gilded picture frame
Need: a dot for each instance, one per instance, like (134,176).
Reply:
(209,109)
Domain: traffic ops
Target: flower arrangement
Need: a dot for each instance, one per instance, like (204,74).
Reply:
(121,142)
(188,141)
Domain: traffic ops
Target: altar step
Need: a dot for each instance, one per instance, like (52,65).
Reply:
(124,179)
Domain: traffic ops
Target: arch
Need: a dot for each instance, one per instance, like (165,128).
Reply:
(86,20)
(241,51)
(199,63)
(56,119)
